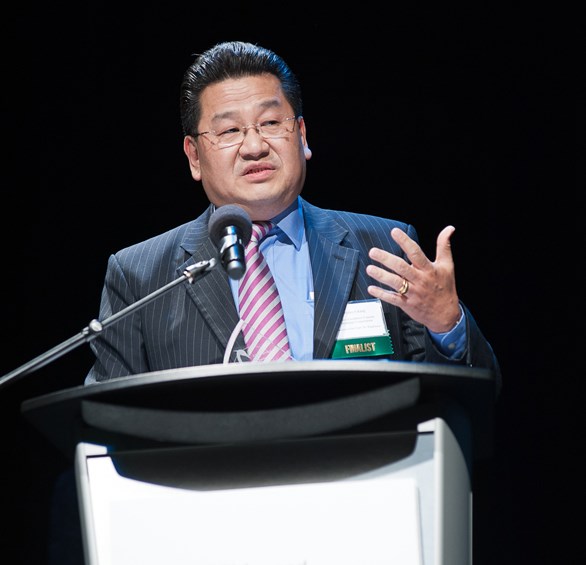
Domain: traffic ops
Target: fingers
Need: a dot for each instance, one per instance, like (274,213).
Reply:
(411,248)
(394,269)
(443,245)
(384,295)
(418,261)
(385,277)
(415,253)
(425,290)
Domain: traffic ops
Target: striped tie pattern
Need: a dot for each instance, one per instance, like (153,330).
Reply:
(264,328)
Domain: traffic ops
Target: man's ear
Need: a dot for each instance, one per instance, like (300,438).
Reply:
(303,131)
(190,149)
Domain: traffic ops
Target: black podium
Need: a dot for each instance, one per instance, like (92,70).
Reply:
(319,462)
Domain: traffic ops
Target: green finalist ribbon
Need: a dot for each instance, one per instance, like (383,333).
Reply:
(363,347)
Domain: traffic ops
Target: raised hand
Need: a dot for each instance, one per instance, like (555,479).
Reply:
(425,290)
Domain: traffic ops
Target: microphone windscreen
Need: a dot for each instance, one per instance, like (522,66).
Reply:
(229,215)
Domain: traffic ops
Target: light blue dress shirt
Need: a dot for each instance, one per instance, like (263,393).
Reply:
(287,255)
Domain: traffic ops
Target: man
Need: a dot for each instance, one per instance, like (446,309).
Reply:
(245,139)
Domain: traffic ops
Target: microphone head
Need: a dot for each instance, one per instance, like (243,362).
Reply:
(229,215)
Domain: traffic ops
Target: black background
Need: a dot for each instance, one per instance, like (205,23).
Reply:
(470,118)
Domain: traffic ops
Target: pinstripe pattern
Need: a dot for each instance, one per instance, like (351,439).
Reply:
(191,325)
(260,304)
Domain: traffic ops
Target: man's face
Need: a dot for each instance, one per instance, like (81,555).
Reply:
(263,176)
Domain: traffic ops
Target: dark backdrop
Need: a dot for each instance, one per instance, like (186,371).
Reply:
(470,118)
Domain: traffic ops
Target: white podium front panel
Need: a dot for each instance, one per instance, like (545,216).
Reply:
(393,514)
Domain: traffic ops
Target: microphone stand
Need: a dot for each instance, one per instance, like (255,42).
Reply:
(95,328)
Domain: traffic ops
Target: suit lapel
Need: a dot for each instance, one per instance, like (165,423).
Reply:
(211,293)
(334,269)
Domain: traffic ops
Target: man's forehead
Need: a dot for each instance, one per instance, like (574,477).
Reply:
(231,97)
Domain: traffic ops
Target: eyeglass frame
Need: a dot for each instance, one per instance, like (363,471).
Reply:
(244,129)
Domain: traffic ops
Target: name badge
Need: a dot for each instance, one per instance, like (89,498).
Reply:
(363,332)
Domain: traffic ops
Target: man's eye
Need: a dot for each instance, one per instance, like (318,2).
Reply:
(269,123)
(228,131)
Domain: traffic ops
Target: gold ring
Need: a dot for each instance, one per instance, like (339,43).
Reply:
(404,287)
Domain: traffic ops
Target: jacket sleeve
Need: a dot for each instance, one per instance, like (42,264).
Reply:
(119,349)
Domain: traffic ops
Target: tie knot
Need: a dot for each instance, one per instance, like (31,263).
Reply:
(259,231)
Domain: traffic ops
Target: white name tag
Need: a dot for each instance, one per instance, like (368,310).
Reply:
(363,331)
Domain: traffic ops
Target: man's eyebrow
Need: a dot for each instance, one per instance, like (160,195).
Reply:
(231,114)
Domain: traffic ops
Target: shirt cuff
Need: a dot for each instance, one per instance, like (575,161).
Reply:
(452,343)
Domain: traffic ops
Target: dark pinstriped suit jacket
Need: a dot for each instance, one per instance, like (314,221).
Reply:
(191,324)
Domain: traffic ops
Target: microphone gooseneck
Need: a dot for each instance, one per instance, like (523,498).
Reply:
(230,228)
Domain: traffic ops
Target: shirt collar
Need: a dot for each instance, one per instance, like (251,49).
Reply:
(290,222)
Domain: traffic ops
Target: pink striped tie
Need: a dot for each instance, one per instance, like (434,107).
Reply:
(264,330)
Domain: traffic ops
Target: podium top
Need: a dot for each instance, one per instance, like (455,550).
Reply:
(249,402)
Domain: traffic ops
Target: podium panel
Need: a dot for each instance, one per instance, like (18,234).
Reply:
(413,510)
(331,463)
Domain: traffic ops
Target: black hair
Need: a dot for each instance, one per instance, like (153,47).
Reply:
(232,59)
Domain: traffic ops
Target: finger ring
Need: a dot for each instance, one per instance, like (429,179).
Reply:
(404,287)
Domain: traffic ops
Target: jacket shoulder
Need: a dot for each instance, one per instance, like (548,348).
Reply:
(354,222)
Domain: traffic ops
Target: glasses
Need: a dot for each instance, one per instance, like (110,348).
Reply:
(269,129)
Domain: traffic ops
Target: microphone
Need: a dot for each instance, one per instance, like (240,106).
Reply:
(230,228)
